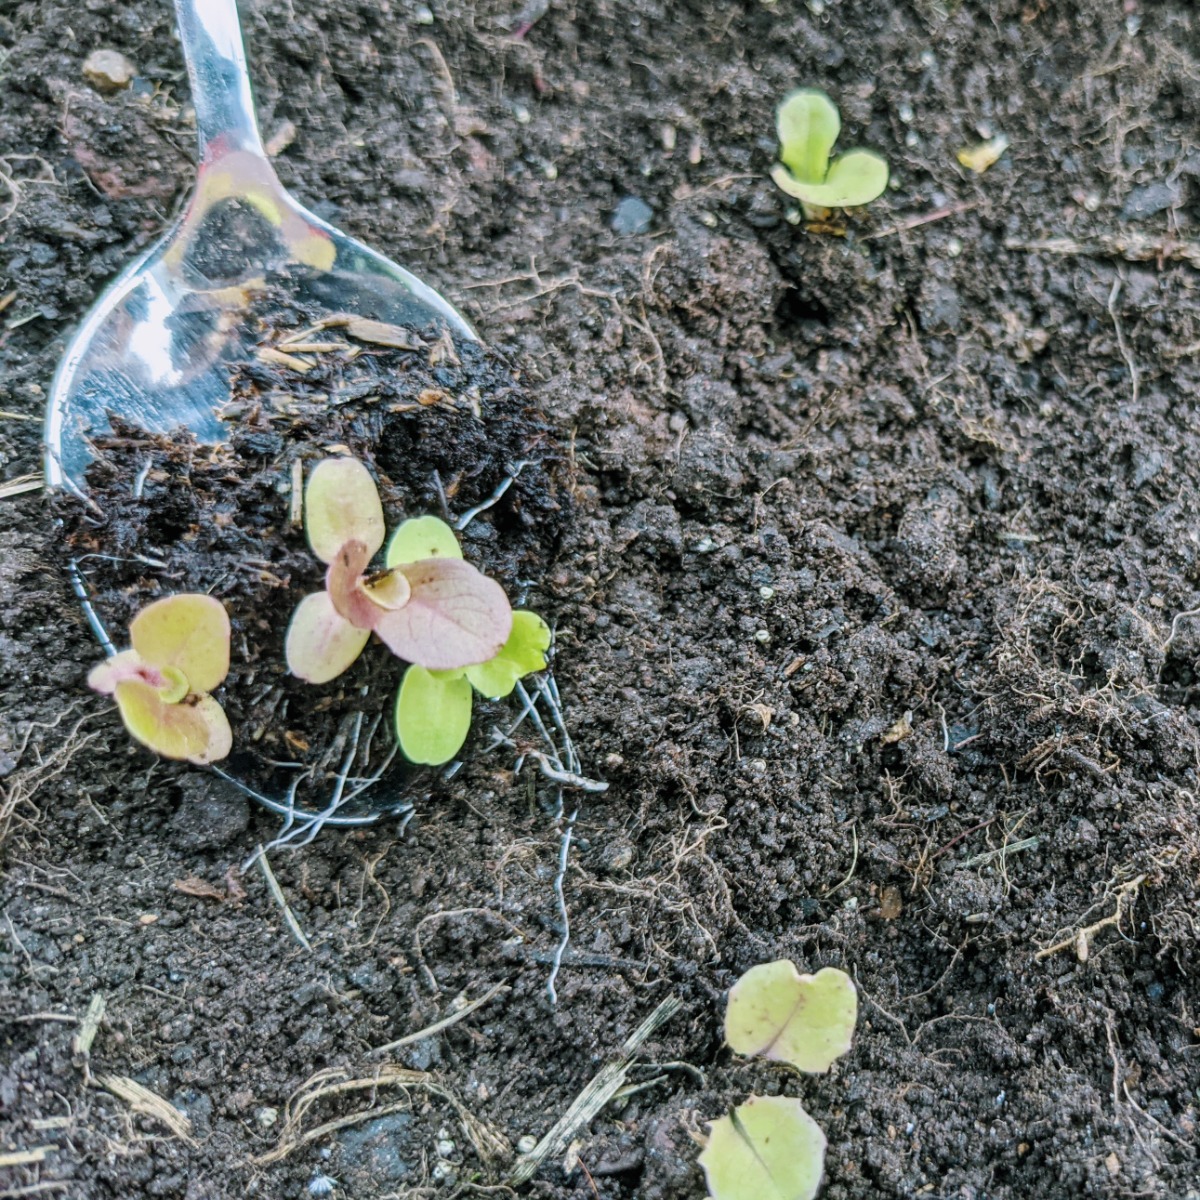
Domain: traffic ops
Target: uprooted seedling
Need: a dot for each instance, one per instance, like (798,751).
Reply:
(179,653)
(436,611)
(431,608)
(808,125)
(770,1146)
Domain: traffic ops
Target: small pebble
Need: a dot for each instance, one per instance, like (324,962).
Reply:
(631,216)
(423,15)
(522,114)
(954,247)
(905,113)
(526,1144)
(767,593)
(108,70)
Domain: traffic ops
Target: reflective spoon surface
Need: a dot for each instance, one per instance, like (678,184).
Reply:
(156,347)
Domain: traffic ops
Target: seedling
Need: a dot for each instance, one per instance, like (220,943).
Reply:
(769,1146)
(433,709)
(435,610)
(806,1021)
(808,125)
(180,653)
(766,1149)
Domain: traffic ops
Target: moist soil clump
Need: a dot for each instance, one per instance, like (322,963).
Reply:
(443,427)
(875,607)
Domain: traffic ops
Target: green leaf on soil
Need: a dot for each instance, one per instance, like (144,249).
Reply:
(766,1149)
(433,715)
(806,1021)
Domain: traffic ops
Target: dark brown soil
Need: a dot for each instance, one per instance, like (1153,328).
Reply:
(820,483)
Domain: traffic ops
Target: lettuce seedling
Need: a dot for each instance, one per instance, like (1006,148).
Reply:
(808,124)
(180,653)
(433,709)
(435,611)
(766,1149)
(806,1021)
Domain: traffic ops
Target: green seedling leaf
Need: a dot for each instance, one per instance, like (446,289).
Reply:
(321,643)
(341,504)
(856,177)
(806,1021)
(180,652)
(455,616)
(521,655)
(766,1149)
(808,125)
(433,715)
(422,537)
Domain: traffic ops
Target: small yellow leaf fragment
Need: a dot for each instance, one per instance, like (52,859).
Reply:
(380,333)
(982,155)
(806,1021)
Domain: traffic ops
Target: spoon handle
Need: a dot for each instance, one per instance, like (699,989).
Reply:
(216,63)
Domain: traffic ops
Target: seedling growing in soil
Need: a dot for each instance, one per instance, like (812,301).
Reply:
(808,125)
(806,1021)
(769,1146)
(766,1149)
(435,611)
(180,652)
(433,709)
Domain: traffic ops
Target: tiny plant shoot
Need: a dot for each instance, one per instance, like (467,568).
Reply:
(435,610)
(769,1146)
(766,1149)
(433,709)
(180,652)
(806,1021)
(808,124)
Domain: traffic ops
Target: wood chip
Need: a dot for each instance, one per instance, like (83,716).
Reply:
(19,485)
(145,1102)
(296,508)
(193,885)
(26,1158)
(380,333)
(81,1044)
(281,139)
(278,358)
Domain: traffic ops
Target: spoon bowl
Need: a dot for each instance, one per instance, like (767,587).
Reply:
(156,348)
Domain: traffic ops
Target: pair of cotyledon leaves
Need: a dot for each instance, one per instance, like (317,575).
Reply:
(808,125)
(179,653)
(769,1148)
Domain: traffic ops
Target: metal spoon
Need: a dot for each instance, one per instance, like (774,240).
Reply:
(154,350)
